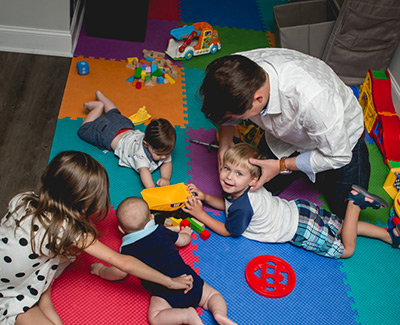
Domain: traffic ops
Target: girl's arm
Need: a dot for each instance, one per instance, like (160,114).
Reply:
(146,177)
(133,266)
(110,273)
(195,208)
(166,173)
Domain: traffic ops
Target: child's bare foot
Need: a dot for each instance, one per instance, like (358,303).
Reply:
(223,320)
(89,106)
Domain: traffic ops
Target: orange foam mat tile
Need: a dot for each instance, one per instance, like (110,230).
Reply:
(110,76)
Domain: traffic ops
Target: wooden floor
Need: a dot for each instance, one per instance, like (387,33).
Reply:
(31,90)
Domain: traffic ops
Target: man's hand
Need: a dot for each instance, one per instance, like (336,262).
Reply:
(269,169)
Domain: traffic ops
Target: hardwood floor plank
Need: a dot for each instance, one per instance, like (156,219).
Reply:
(32,87)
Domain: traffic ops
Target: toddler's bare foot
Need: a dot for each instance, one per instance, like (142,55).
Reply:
(223,320)
(96,104)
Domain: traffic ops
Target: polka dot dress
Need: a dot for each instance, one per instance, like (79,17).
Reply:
(24,276)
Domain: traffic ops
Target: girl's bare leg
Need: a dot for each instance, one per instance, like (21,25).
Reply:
(213,301)
(161,312)
(42,313)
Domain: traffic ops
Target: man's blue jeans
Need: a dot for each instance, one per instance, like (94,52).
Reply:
(335,184)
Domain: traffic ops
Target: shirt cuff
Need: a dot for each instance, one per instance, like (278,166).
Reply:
(303,163)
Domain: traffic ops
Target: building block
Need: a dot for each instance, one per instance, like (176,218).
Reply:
(188,222)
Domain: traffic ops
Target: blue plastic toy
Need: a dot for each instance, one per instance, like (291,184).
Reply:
(82,67)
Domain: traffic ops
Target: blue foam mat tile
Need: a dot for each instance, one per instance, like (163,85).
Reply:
(373,275)
(232,13)
(319,296)
(266,12)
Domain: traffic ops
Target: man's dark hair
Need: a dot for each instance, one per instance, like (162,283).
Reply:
(229,85)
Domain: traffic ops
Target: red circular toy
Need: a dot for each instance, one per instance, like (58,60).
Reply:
(270,276)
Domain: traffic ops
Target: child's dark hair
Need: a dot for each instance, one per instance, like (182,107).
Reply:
(229,85)
(160,135)
(72,192)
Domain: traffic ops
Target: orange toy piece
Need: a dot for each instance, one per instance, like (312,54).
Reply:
(191,40)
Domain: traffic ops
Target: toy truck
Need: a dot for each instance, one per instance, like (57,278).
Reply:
(192,40)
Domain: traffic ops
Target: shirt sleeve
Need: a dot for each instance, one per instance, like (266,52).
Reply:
(326,127)
(238,220)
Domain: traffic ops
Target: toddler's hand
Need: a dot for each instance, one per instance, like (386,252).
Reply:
(95,268)
(163,182)
(193,206)
(194,190)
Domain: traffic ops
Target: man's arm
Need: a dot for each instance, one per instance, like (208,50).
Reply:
(225,141)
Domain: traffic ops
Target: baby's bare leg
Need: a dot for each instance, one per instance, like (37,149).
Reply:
(213,301)
(108,104)
(161,312)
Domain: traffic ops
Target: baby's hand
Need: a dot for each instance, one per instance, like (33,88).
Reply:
(186,230)
(193,206)
(95,268)
(195,191)
(163,182)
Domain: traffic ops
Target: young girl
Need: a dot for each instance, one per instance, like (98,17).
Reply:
(42,233)
(105,128)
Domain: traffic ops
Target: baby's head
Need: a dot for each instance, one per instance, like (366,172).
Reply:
(160,138)
(240,153)
(133,214)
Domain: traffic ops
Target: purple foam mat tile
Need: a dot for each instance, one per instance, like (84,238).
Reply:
(157,36)
(301,189)
(204,163)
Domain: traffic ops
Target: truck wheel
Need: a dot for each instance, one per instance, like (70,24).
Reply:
(213,49)
(188,55)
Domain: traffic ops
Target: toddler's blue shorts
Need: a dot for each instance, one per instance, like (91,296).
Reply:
(317,230)
(103,130)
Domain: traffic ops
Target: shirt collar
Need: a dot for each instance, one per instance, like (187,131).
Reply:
(135,236)
(147,152)
(273,106)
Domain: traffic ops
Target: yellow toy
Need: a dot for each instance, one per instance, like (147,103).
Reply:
(166,198)
(140,116)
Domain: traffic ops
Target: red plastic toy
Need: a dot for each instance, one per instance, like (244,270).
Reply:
(270,276)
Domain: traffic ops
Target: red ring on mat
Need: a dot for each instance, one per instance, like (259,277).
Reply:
(271,272)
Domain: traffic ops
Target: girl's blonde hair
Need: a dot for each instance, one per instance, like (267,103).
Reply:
(72,193)
(240,153)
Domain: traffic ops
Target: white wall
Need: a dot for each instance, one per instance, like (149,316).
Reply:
(394,69)
(38,26)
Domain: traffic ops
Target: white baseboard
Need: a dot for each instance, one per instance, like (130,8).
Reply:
(395,93)
(42,41)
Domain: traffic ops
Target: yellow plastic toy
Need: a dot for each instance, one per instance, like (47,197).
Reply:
(392,182)
(140,116)
(166,198)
